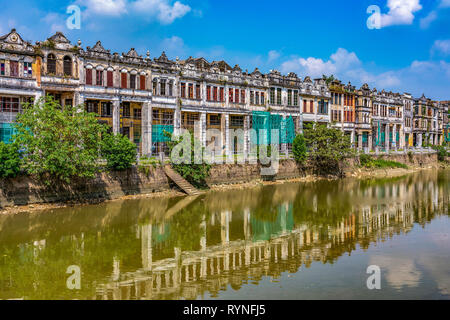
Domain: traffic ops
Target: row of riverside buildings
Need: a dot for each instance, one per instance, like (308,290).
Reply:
(142,97)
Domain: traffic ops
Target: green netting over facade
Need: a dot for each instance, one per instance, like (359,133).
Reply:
(267,122)
(158,132)
(6,132)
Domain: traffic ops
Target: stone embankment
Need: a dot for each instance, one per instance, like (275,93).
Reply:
(24,190)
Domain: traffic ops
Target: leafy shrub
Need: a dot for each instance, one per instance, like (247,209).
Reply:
(299,149)
(9,160)
(120,153)
(442,152)
(327,147)
(59,143)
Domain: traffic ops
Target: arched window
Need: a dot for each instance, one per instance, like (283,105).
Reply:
(51,63)
(67,66)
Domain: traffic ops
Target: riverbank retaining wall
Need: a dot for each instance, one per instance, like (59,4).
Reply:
(25,190)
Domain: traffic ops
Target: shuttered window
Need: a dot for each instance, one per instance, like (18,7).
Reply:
(89,76)
(142,82)
(109,79)
(123,80)
(14,68)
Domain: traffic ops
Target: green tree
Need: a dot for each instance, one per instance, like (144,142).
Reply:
(9,160)
(193,170)
(327,147)
(119,152)
(299,149)
(59,143)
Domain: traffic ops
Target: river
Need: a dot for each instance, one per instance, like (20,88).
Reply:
(311,240)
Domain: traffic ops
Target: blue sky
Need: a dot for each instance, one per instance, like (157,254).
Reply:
(409,52)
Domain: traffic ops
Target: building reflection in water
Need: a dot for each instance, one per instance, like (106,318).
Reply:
(185,248)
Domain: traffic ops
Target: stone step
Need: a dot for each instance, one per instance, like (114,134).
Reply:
(180,181)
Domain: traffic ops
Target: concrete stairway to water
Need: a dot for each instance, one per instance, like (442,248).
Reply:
(180,181)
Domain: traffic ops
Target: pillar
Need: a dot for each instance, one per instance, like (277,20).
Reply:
(203,128)
(227,143)
(394,138)
(370,142)
(360,136)
(146,129)
(246,136)
(116,117)
(283,145)
(386,138)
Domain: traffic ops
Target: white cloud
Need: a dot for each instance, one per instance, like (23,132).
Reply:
(105,7)
(173,46)
(425,22)
(315,67)
(400,12)
(429,77)
(441,46)
(273,55)
(163,10)
(55,21)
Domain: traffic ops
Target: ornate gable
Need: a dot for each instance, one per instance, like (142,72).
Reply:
(14,42)
(60,41)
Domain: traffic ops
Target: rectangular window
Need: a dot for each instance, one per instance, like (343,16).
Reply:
(190,91)
(99,77)
(272,95)
(230,95)
(14,68)
(222,94)
(132,81)
(183,90)
(106,109)
(311,106)
(263,101)
(171,88)
(236,95)
(142,82)
(257,98)
(126,109)
(215,96)
(27,69)
(252,97)
(109,79)
(137,113)
(208,93)
(89,76)
(197,92)
(289,97)
(162,87)
(242,96)
(279,96)
(123,80)
(304,106)
(2,67)
(295,97)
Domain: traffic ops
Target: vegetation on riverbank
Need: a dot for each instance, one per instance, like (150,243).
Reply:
(325,148)
(368,161)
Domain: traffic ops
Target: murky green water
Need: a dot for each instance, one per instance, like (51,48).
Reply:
(288,241)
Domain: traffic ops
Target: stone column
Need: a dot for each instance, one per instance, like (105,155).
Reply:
(394,140)
(246,136)
(146,129)
(227,142)
(300,118)
(352,138)
(116,116)
(202,126)
(370,142)
(360,147)
(386,138)
(283,145)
